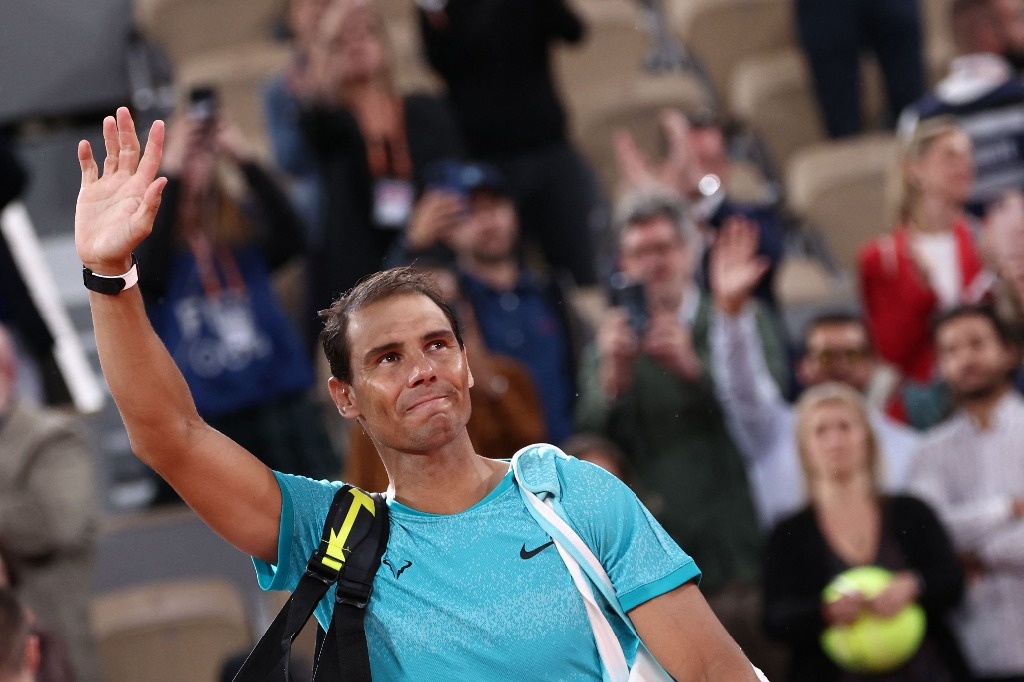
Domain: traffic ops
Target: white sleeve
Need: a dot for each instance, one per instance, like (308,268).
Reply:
(745,388)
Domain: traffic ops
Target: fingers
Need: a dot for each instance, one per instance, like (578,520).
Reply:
(149,166)
(87,162)
(111,144)
(127,141)
(141,222)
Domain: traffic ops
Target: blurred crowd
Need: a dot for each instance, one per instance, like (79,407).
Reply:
(637,324)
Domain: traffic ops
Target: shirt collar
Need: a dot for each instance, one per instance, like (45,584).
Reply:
(1002,414)
(972,76)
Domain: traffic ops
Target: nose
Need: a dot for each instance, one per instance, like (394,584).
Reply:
(422,371)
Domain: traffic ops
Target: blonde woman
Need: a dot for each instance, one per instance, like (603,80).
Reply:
(848,523)
(929,262)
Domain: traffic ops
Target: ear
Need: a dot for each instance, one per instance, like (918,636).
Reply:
(802,370)
(33,654)
(344,399)
(469,370)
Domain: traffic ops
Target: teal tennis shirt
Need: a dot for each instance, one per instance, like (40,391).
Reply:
(483,594)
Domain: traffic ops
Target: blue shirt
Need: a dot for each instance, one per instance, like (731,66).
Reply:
(477,595)
(522,324)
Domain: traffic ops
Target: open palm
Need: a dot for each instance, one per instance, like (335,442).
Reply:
(735,266)
(115,212)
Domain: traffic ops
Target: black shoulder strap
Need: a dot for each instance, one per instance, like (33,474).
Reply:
(354,537)
(344,645)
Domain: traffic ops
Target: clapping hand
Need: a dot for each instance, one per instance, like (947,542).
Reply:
(115,211)
(735,268)
(679,172)
(902,591)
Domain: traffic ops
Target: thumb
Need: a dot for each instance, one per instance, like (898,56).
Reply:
(140,224)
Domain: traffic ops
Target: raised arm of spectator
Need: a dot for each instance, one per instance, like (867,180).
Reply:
(743,382)
(235,493)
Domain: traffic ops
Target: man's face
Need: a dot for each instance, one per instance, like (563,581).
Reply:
(410,380)
(654,253)
(490,230)
(837,352)
(972,359)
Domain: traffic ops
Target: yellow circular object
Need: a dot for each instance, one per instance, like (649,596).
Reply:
(871,644)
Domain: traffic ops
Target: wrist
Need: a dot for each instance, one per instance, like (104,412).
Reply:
(116,267)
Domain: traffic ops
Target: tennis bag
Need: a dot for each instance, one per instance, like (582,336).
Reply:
(353,542)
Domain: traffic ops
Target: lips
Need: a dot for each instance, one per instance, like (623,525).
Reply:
(426,400)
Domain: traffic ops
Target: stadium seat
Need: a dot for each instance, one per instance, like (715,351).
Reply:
(594,74)
(170,631)
(725,32)
(773,94)
(186,28)
(841,189)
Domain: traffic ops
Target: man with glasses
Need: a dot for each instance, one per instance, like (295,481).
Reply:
(836,348)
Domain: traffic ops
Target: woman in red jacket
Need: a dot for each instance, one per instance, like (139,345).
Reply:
(929,262)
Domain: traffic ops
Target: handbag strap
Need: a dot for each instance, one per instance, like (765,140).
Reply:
(351,546)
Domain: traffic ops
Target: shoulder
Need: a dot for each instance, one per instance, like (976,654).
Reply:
(39,423)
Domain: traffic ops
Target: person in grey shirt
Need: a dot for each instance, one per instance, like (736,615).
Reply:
(763,423)
(970,469)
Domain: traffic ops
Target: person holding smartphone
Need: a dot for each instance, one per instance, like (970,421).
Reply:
(648,387)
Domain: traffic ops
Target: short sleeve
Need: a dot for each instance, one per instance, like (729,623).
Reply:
(641,559)
(304,507)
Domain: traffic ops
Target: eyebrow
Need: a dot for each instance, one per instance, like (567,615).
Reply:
(395,345)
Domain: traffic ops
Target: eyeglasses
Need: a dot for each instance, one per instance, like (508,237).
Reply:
(832,356)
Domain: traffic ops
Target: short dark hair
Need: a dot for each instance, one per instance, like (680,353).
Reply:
(15,628)
(371,289)
(981,310)
(835,317)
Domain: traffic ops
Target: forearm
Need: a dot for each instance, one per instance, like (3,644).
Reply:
(283,237)
(1004,549)
(743,383)
(150,393)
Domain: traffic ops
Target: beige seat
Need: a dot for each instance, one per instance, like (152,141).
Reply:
(774,95)
(637,111)
(937,21)
(596,73)
(841,188)
(186,28)
(170,631)
(723,33)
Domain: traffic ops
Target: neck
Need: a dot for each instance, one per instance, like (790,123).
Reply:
(980,408)
(842,492)
(499,274)
(934,215)
(445,481)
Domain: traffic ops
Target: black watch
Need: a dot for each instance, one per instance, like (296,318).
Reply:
(111,285)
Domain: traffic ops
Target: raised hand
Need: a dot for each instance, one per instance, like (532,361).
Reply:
(115,212)
(735,268)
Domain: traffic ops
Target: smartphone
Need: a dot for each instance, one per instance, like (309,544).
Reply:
(203,103)
(632,297)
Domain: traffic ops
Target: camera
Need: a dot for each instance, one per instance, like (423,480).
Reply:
(631,296)
(203,104)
